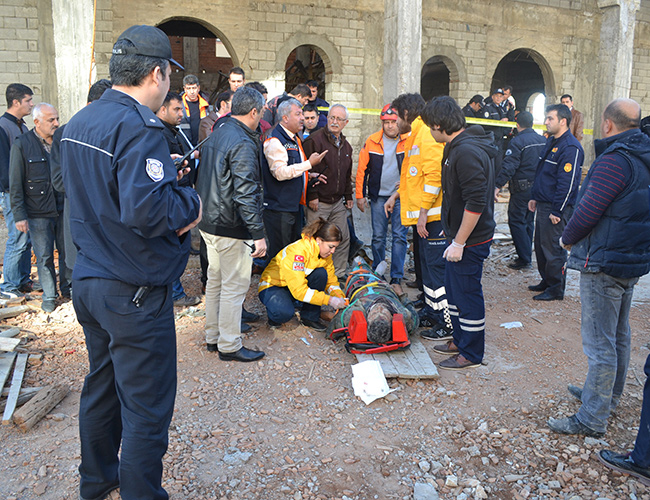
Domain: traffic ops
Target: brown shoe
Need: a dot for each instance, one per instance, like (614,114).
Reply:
(448,348)
(457,362)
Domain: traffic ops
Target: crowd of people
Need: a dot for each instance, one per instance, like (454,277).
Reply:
(271,189)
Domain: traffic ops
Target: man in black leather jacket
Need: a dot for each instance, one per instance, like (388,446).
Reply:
(230,186)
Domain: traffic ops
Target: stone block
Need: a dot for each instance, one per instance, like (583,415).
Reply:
(273,17)
(12,44)
(340,23)
(26,34)
(16,22)
(32,23)
(323,21)
(26,12)
(106,15)
(7,11)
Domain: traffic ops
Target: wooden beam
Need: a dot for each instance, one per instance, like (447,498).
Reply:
(40,405)
(10,312)
(6,361)
(14,391)
(8,344)
(9,333)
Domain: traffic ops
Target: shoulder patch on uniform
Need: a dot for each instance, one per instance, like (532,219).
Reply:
(568,167)
(299,258)
(486,114)
(148,117)
(413,171)
(298,266)
(554,150)
(508,152)
(155,169)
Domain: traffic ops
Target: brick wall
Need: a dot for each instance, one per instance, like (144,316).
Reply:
(19,45)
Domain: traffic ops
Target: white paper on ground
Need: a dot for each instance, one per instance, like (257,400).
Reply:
(512,324)
(368,381)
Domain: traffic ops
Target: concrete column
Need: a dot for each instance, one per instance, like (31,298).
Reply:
(71,49)
(616,52)
(402,47)
(191,55)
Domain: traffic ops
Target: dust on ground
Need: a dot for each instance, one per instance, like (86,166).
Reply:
(290,427)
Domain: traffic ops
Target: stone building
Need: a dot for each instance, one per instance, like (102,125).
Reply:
(365,52)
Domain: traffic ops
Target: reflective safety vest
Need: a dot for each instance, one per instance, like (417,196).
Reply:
(421,177)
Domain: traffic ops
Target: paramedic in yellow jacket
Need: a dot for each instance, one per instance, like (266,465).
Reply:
(303,271)
(420,194)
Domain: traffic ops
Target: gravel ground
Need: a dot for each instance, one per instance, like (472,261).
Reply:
(290,427)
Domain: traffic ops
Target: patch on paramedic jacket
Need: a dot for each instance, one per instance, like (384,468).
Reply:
(299,263)
(568,167)
(413,171)
(155,169)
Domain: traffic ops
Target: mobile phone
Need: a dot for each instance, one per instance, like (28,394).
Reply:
(178,162)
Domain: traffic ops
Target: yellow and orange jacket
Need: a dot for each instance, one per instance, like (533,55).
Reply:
(421,177)
(203,106)
(371,163)
(291,266)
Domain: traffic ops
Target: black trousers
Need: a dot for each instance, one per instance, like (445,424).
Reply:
(128,395)
(551,257)
(282,228)
(522,223)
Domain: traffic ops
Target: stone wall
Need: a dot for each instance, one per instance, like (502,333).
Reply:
(470,37)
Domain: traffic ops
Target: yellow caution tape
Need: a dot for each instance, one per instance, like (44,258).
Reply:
(476,121)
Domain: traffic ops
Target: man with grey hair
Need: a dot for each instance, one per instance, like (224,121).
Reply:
(333,199)
(36,206)
(285,177)
(229,185)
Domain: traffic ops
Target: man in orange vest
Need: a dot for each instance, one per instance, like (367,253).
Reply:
(195,107)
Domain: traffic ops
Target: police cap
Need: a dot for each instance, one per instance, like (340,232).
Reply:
(147,41)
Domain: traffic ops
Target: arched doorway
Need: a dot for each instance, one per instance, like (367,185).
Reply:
(305,63)
(203,51)
(527,72)
(435,78)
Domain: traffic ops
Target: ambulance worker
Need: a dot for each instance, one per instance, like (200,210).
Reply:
(303,271)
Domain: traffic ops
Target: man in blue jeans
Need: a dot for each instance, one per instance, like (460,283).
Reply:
(636,463)
(17,259)
(378,176)
(609,239)
(37,207)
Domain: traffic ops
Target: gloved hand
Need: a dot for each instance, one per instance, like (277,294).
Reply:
(337,302)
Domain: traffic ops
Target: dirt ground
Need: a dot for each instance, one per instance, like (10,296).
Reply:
(290,427)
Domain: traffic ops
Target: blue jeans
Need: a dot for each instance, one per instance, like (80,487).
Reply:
(605,330)
(177,290)
(379,230)
(466,303)
(280,303)
(17,263)
(641,452)
(44,231)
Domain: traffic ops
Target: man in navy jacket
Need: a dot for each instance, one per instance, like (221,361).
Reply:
(553,196)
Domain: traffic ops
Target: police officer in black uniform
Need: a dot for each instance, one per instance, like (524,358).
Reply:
(130,221)
(474,108)
(494,111)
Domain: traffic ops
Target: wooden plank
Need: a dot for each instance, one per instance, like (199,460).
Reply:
(403,364)
(10,312)
(26,393)
(387,365)
(429,369)
(14,391)
(8,344)
(40,405)
(6,361)
(9,333)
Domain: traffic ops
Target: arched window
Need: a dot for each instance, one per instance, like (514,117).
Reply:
(203,51)
(303,64)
